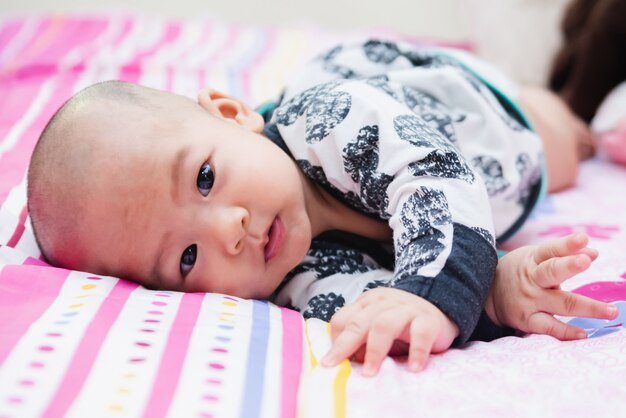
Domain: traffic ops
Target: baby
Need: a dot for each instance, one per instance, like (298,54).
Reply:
(371,194)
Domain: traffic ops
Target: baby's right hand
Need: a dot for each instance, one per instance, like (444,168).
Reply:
(382,316)
(526,292)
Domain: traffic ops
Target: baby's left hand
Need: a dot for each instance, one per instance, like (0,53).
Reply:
(526,292)
(382,316)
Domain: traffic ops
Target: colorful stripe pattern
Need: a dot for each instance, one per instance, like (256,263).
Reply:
(78,345)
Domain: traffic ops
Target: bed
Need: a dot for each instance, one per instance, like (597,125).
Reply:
(80,345)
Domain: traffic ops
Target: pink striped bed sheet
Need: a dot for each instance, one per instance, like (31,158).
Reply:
(75,344)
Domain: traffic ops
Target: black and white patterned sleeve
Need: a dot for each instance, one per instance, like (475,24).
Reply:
(439,211)
(363,143)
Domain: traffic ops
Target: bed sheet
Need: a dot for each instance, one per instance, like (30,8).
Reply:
(76,344)
(531,376)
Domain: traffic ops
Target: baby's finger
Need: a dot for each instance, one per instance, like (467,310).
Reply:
(543,323)
(386,327)
(346,343)
(352,336)
(561,247)
(341,317)
(346,313)
(553,272)
(559,302)
(592,253)
(422,338)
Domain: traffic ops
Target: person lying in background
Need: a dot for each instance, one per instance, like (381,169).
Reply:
(591,67)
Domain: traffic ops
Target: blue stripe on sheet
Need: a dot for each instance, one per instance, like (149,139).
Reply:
(255,369)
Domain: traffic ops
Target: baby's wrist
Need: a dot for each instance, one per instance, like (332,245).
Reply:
(449,333)
(490,310)
(453,328)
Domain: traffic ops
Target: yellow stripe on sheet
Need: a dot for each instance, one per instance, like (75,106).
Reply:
(324,390)
(340,384)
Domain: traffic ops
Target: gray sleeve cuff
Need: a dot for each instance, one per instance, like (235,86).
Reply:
(460,289)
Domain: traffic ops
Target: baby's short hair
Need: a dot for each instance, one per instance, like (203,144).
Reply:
(59,168)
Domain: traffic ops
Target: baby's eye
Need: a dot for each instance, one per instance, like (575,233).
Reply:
(188,259)
(205,179)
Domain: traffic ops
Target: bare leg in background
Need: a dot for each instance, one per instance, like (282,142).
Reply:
(566,138)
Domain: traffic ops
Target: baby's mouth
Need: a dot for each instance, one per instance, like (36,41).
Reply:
(276,234)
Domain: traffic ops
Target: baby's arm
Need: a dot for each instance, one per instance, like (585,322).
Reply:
(526,292)
(383,316)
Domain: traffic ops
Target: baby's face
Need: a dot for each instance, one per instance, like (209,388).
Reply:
(210,206)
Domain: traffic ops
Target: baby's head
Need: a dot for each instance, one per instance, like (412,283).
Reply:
(172,193)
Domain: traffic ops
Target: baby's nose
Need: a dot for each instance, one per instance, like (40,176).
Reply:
(231,227)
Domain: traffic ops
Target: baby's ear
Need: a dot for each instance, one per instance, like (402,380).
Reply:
(231,109)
